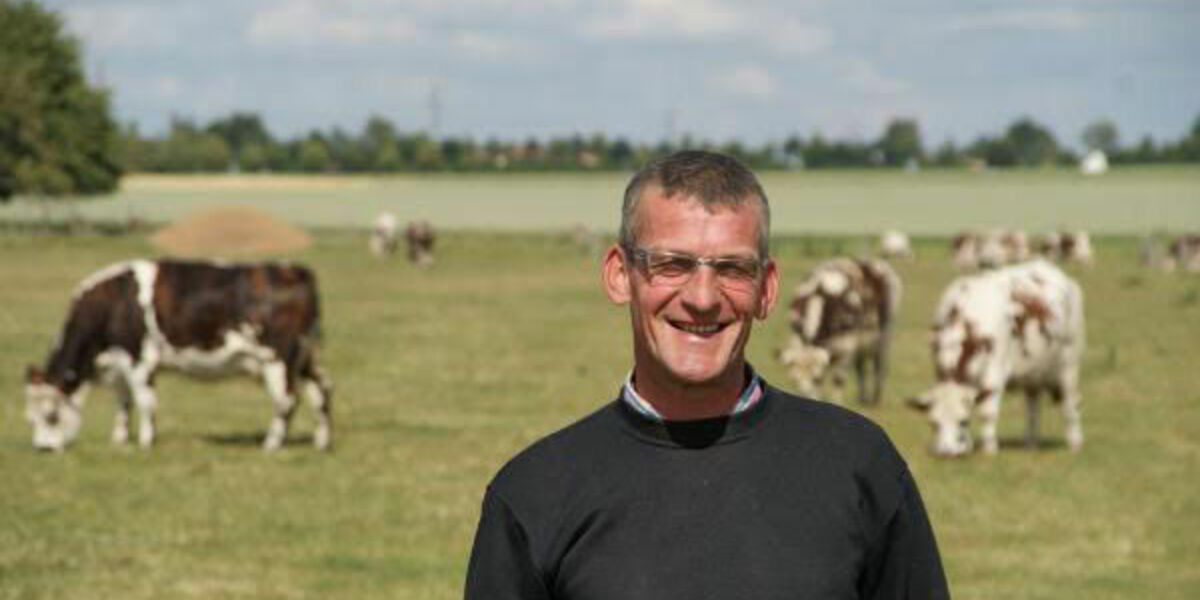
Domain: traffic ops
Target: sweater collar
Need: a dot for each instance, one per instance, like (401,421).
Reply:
(697,434)
(749,396)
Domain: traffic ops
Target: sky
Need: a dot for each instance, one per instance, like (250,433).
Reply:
(751,70)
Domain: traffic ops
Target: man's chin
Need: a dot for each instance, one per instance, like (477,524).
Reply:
(702,375)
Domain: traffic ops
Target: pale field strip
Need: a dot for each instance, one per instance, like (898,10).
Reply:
(1133,201)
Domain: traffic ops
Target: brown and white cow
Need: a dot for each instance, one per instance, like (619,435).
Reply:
(1018,327)
(420,238)
(206,319)
(1184,253)
(842,315)
(1065,246)
(990,249)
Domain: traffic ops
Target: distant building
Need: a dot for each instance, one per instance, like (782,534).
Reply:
(1094,162)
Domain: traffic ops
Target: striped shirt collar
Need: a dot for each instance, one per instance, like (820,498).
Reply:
(749,397)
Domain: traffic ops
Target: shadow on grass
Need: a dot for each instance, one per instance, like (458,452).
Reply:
(1043,445)
(253,439)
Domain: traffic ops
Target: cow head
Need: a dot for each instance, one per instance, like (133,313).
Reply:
(54,415)
(805,364)
(948,407)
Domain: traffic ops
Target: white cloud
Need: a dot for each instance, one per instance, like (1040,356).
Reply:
(486,46)
(166,87)
(311,23)
(794,38)
(746,81)
(864,76)
(672,18)
(119,26)
(1052,19)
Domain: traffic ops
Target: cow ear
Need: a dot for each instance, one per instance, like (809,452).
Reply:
(920,403)
(34,375)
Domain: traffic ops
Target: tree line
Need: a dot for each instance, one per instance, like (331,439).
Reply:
(241,142)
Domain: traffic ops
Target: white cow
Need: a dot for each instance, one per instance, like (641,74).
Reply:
(384,237)
(894,245)
(1017,327)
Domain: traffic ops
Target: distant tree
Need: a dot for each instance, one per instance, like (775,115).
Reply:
(947,155)
(901,142)
(996,152)
(1031,143)
(1102,135)
(189,149)
(57,136)
(314,155)
(239,130)
(254,157)
(620,154)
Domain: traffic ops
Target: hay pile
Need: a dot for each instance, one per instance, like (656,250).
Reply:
(229,232)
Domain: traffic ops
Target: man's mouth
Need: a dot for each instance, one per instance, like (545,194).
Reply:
(701,329)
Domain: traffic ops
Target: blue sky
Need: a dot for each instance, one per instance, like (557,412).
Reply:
(754,70)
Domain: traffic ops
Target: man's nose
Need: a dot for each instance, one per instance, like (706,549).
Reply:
(702,292)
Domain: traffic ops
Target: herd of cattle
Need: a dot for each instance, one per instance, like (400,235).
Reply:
(1014,320)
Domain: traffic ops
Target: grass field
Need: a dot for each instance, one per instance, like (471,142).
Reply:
(441,375)
(1131,201)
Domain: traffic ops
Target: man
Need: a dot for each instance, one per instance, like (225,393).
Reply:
(700,480)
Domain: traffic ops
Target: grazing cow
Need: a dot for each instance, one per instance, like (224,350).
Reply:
(205,319)
(843,315)
(1065,246)
(998,247)
(1018,327)
(894,245)
(383,240)
(420,237)
(1184,253)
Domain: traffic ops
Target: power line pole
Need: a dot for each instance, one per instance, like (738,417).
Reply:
(435,110)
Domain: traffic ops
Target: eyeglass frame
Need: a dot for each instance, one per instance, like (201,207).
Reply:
(641,257)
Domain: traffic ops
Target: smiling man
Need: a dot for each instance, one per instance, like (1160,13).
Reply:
(700,480)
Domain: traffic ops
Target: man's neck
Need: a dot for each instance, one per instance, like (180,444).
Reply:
(680,401)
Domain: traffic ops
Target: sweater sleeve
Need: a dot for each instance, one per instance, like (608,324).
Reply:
(501,566)
(904,561)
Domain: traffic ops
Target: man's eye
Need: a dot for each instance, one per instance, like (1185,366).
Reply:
(735,269)
(673,266)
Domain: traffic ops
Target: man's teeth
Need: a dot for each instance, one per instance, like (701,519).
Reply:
(699,329)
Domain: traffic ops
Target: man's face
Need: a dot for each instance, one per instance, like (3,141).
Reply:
(691,332)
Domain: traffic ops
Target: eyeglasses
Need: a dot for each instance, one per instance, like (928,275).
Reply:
(734,273)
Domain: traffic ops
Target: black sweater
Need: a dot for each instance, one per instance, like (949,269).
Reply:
(791,499)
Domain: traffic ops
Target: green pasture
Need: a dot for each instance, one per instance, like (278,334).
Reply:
(1132,201)
(441,375)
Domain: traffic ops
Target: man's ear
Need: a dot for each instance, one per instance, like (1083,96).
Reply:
(615,275)
(34,375)
(770,291)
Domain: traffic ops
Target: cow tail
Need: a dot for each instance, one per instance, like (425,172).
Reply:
(314,331)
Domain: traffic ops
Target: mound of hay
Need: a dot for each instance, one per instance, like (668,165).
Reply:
(229,232)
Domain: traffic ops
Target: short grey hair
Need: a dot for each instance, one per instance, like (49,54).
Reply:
(707,177)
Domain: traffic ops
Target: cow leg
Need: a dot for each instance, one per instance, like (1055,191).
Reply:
(120,432)
(320,392)
(1032,414)
(142,390)
(880,358)
(989,414)
(860,374)
(275,377)
(1068,396)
